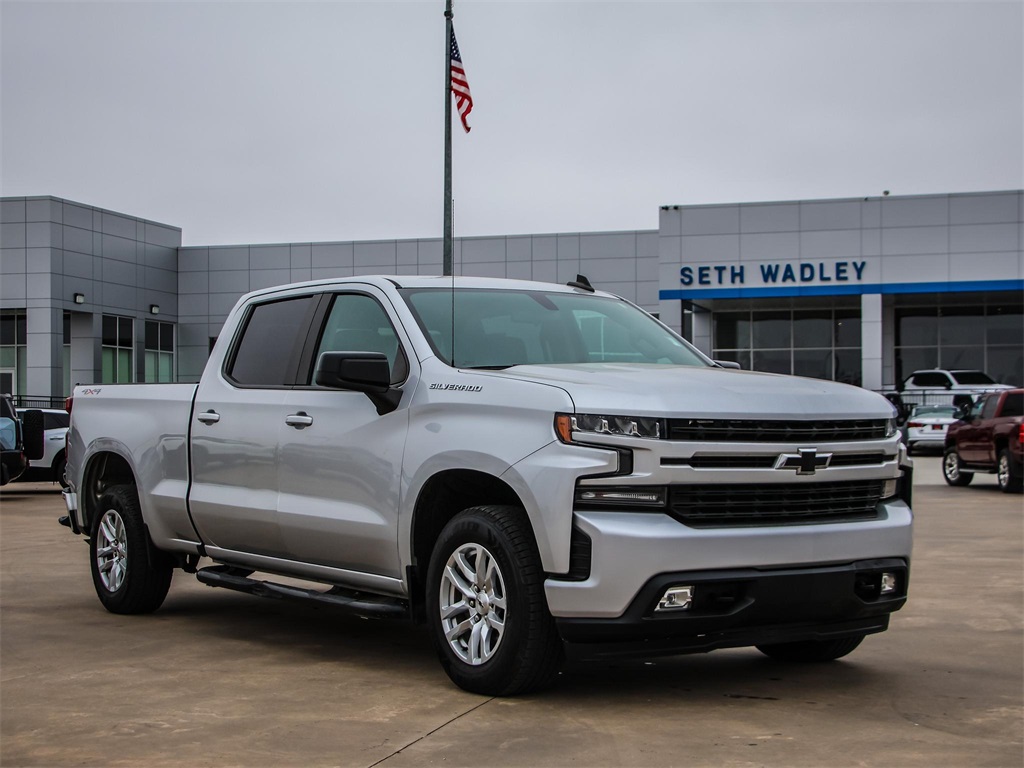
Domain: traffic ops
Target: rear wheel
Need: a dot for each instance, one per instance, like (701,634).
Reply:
(129,573)
(951,469)
(1008,475)
(486,606)
(811,650)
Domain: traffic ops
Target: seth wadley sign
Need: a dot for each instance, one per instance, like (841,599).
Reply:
(773,273)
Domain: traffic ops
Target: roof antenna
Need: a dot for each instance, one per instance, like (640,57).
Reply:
(582,283)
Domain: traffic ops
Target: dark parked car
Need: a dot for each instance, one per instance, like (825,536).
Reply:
(989,438)
(19,441)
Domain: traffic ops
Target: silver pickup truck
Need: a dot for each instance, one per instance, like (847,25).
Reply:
(530,469)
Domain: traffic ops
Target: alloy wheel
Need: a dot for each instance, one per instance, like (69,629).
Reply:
(473,604)
(112,550)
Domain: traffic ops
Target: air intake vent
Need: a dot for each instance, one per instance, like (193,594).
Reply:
(713,506)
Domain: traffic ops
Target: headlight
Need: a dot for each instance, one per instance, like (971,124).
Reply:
(625,426)
(890,427)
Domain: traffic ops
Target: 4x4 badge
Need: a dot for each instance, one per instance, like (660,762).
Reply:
(806,462)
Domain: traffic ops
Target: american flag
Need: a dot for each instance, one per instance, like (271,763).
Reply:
(460,85)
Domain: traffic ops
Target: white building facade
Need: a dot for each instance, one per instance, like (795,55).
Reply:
(857,290)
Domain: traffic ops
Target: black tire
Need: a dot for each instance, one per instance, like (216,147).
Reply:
(951,469)
(60,471)
(129,573)
(1008,473)
(812,650)
(910,449)
(528,652)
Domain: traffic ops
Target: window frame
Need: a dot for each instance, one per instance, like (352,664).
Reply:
(291,368)
(307,360)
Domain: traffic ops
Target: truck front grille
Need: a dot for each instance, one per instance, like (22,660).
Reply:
(712,461)
(769,431)
(714,506)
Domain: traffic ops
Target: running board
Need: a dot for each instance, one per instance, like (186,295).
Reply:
(364,604)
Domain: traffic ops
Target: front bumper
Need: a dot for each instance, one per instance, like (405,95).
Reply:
(628,549)
(743,607)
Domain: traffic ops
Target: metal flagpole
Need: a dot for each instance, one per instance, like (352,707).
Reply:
(448,139)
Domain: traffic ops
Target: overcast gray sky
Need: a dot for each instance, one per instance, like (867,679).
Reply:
(274,122)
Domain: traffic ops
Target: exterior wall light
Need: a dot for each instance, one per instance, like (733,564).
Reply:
(154,309)
(79,298)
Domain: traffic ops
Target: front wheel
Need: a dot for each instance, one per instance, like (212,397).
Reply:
(129,573)
(486,606)
(1008,475)
(812,650)
(951,469)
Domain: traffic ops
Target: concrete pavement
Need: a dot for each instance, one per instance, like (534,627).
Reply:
(219,678)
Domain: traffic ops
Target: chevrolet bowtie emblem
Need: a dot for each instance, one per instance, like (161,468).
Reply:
(805,462)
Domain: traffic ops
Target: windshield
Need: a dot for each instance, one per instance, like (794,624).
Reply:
(502,328)
(972,377)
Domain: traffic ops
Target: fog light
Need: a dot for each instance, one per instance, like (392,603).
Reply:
(676,599)
(888,583)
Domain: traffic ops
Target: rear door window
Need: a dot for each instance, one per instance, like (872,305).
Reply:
(1013,404)
(267,353)
(55,420)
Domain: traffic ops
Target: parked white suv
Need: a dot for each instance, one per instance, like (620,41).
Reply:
(51,467)
(939,386)
(952,380)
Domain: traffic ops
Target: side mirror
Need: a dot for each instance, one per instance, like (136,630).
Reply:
(948,384)
(358,371)
(963,410)
(730,364)
(32,434)
(367,372)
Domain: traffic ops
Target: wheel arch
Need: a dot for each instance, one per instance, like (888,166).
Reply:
(103,470)
(443,496)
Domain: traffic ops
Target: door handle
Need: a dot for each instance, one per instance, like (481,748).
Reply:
(299,420)
(209,417)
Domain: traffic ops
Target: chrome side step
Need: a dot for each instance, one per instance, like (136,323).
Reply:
(359,603)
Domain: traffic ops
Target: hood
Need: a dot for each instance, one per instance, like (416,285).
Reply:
(684,391)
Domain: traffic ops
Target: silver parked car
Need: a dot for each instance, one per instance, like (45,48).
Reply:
(927,425)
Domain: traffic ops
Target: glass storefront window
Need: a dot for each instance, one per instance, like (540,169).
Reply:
(772,330)
(812,329)
(732,330)
(917,327)
(822,343)
(984,334)
(13,353)
(961,326)
(847,328)
(117,353)
(159,344)
(772,361)
(815,363)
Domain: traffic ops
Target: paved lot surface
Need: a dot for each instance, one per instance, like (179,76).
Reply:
(218,678)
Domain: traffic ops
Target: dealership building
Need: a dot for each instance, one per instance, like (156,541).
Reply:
(861,290)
